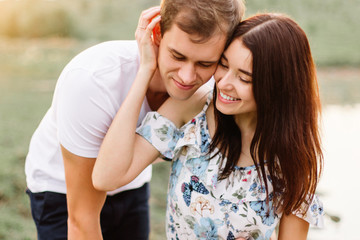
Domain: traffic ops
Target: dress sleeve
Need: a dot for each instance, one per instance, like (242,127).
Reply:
(314,214)
(161,133)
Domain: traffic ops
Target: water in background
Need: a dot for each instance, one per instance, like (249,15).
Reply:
(339,186)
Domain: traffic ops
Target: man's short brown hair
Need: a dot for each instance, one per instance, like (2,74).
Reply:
(202,18)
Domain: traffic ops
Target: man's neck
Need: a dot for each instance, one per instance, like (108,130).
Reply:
(156,93)
(156,99)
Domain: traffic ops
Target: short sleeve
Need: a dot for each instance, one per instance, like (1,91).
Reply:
(161,133)
(314,214)
(83,113)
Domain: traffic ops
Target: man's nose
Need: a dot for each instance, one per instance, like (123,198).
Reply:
(187,74)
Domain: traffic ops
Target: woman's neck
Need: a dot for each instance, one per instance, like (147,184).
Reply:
(246,123)
(247,126)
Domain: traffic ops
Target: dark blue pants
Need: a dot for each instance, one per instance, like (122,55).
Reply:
(124,215)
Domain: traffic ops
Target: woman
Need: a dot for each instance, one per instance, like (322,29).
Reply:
(251,156)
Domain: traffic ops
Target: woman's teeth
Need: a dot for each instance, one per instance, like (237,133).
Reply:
(228,97)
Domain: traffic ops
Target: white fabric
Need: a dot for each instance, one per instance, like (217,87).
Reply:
(87,96)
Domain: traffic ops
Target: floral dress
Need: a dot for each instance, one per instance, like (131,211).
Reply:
(199,206)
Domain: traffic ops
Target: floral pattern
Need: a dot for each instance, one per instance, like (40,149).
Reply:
(199,206)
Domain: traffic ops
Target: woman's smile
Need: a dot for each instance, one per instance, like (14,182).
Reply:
(223,96)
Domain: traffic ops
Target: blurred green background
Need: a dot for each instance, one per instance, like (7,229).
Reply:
(38,38)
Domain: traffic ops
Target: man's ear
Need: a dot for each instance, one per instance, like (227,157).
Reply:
(157,34)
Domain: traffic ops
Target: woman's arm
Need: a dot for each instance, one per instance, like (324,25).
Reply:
(114,166)
(121,159)
(123,154)
(293,227)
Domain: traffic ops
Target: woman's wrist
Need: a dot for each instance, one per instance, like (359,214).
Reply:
(146,71)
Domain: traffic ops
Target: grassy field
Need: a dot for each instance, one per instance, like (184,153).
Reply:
(29,69)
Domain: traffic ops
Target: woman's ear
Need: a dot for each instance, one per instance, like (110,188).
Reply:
(157,34)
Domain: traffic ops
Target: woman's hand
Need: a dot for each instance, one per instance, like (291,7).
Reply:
(145,38)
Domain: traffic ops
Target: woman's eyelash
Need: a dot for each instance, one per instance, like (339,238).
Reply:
(244,80)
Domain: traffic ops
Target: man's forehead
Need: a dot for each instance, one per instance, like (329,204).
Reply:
(180,42)
(176,33)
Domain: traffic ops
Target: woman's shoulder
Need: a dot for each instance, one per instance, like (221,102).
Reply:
(182,111)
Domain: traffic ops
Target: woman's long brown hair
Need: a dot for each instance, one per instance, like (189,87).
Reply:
(286,92)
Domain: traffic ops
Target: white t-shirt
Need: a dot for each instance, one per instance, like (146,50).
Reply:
(87,97)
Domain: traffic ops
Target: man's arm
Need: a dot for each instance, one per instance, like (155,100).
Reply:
(84,202)
(293,227)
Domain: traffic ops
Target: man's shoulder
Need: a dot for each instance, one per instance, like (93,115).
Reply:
(102,72)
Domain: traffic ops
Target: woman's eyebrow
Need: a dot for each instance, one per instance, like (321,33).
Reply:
(245,72)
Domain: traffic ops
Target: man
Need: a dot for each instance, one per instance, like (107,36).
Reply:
(89,92)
